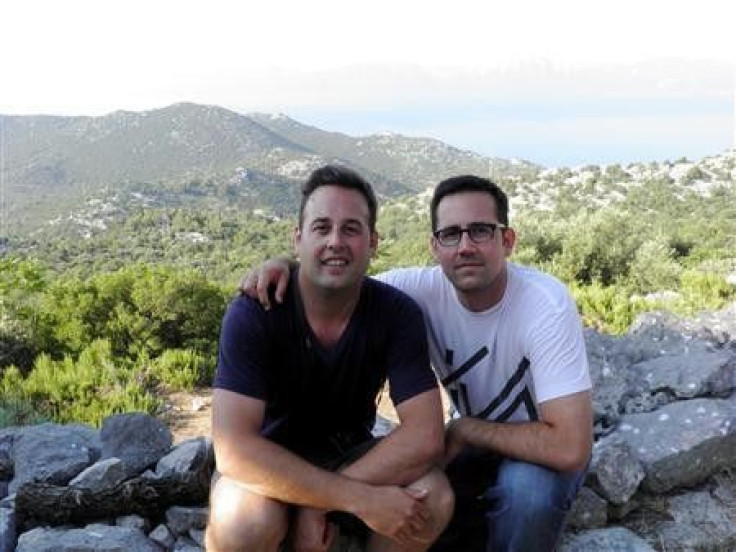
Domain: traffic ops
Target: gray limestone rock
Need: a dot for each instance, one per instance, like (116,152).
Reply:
(139,440)
(163,536)
(186,544)
(716,328)
(699,374)
(7,530)
(616,472)
(92,538)
(683,443)
(102,474)
(193,454)
(53,453)
(134,521)
(589,511)
(180,519)
(614,539)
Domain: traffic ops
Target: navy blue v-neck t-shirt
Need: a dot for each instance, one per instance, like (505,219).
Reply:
(320,401)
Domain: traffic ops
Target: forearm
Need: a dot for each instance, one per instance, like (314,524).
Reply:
(411,450)
(537,442)
(398,459)
(270,470)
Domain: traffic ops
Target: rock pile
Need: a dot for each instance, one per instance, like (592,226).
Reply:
(71,487)
(663,473)
(662,477)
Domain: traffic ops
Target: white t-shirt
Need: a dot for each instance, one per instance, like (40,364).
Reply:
(502,363)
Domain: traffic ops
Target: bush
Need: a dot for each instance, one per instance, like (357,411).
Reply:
(703,291)
(654,267)
(87,390)
(182,369)
(17,412)
(605,308)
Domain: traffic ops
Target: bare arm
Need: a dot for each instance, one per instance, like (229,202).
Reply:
(270,470)
(264,467)
(561,440)
(411,450)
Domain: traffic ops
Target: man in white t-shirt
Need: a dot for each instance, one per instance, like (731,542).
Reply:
(507,343)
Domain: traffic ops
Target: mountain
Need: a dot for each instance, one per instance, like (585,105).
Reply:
(417,162)
(255,161)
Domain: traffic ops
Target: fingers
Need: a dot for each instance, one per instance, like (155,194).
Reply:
(281,287)
(247,284)
(261,289)
(415,522)
(417,493)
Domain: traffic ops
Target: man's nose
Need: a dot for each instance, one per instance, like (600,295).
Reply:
(334,239)
(465,244)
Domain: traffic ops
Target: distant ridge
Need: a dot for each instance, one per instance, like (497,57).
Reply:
(258,158)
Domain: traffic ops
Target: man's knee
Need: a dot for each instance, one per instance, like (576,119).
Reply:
(528,504)
(440,499)
(243,521)
(534,490)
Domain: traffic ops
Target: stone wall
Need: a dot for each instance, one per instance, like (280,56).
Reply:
(662,477)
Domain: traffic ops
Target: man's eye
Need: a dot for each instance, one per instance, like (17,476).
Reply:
(450,234)
(320,228)
(352,230)
(482,232)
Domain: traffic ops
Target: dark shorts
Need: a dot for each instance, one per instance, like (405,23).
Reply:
(346,523)
(330,452)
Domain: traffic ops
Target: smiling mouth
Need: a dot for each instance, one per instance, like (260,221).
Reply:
(335,262)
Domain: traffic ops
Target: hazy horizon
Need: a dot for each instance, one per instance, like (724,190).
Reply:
(558,84)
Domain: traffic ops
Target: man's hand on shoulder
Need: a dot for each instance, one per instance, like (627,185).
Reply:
(256,283)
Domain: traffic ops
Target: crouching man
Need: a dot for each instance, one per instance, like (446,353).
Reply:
(296,391)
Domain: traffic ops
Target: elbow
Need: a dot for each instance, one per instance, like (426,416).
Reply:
(231,460)
(223,460)
(573,463)
(434,448)
(428,450)
(574,458)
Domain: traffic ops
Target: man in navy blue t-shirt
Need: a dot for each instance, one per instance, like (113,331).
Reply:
(296,390)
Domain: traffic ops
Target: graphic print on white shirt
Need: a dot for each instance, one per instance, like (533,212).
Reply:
(511,396)
(501,363)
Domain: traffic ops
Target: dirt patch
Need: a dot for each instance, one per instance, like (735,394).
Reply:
(188,414)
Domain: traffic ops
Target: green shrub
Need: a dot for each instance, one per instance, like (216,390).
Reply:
(654,267)
(182,369)
(605,308)
(88,390)
(17,412)
(702,291)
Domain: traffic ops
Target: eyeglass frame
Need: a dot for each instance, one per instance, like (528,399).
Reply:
(473,226)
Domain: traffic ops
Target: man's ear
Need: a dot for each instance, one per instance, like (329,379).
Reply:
(433,245)
(296,240)
(508,240)
(374,243)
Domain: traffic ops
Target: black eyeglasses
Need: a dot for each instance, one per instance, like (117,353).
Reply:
(479,232)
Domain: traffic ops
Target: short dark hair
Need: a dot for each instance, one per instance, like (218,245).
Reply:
(470,183)
(337,175)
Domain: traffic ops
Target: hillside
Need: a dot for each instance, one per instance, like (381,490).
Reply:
(257,161)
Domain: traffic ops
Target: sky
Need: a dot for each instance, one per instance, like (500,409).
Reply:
(559,83)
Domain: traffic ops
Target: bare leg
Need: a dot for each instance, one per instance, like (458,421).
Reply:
(441,502)
(242,521)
